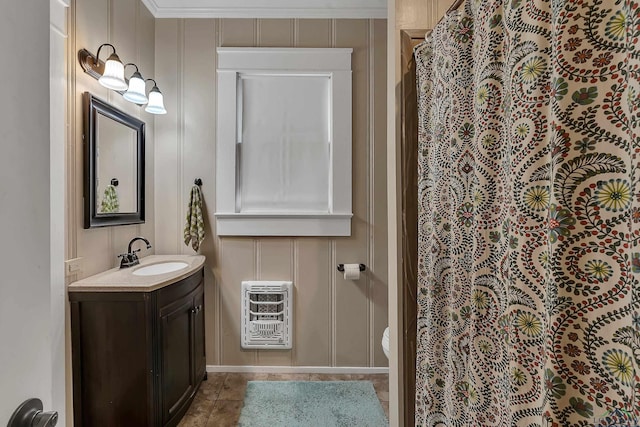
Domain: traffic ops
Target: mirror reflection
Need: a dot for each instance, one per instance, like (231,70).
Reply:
(116,167)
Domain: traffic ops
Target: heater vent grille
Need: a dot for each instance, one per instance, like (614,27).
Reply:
(266,314)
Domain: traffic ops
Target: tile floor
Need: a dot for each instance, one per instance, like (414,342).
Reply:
(219,400)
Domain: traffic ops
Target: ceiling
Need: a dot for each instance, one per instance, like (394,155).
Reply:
(267,8)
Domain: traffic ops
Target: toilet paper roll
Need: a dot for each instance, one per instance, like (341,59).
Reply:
(351,271)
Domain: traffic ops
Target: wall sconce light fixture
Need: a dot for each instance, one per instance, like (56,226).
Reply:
(136,90)
(110,74)
(113,75)
(156,100)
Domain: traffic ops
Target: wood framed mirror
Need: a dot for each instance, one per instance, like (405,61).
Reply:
(113,144)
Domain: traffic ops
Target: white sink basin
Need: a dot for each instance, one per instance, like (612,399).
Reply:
(160,268)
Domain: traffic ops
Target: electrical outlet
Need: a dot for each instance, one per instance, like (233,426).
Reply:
(73,266)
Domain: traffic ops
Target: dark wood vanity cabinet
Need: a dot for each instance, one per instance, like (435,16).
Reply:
(138,357)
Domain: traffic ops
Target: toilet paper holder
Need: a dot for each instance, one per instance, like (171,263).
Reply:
(341,267)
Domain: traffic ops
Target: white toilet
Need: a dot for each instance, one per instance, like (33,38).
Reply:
(385,342)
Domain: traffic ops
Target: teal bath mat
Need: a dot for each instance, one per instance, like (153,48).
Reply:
(311,403)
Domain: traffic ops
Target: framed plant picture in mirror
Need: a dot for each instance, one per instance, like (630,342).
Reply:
(113,143)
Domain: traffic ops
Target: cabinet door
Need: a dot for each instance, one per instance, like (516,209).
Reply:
(198,336)
(112,359)
(176,330)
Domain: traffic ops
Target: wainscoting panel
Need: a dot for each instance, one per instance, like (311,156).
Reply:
(337,322)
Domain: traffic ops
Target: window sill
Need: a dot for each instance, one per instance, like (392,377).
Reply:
(283,224)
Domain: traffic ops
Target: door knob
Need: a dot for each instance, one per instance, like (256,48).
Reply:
(30,414)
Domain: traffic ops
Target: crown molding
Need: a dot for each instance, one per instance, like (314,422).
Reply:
(327,9)
(151,6)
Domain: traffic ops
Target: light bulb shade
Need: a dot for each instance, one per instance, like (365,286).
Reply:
(156,102)
(135,93)
(113,75)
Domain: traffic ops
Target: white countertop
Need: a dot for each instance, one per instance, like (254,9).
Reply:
(122,280)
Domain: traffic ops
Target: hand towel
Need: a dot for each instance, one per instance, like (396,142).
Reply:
(194,226)
(110,203)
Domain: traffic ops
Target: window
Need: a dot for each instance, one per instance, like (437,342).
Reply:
(284,142)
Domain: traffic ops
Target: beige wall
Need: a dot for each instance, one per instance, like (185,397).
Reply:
(130,27)
(416,14)
(337,322)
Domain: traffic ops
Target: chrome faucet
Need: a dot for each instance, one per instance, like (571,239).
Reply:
(130,258)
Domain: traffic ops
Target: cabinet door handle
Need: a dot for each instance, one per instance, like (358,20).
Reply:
(198,308)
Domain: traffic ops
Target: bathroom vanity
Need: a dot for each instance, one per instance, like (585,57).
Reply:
(138,342)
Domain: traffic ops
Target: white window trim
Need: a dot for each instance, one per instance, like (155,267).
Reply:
(332,62)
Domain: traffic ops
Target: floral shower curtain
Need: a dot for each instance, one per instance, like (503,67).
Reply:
(529,198)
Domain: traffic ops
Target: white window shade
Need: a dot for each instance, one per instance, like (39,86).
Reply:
(284,152)
(284,142)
